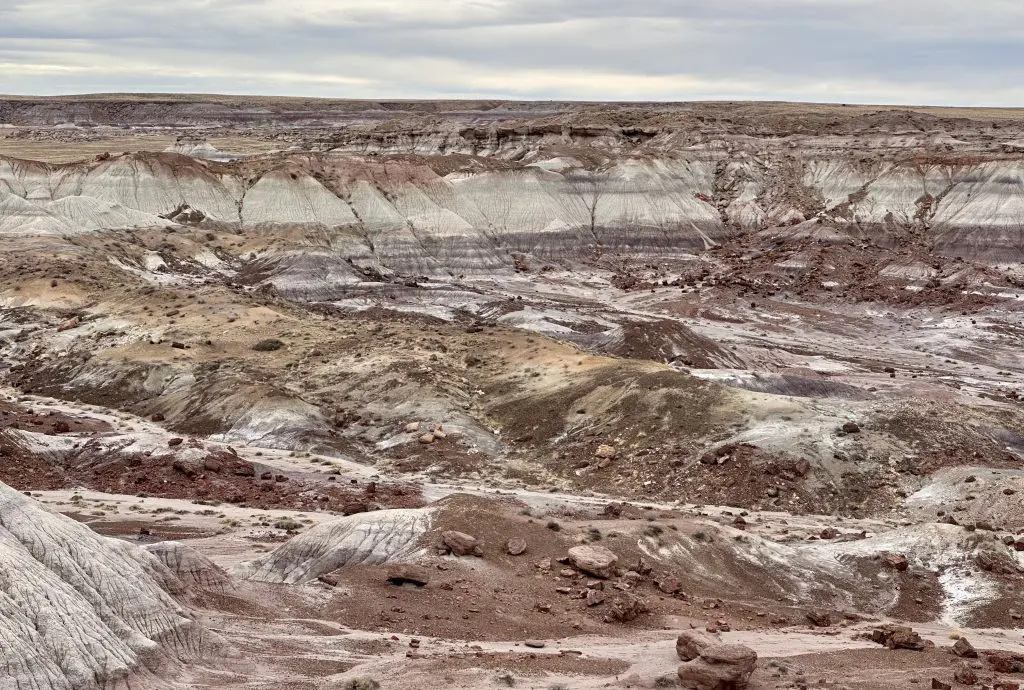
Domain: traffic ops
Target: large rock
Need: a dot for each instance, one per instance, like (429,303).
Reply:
(963,648)
(596,561)
(461,544)
(516,547)
(897,562)
(626,607)
(898,637)
(963,673)
(408,574)
(719,667)
(691,643)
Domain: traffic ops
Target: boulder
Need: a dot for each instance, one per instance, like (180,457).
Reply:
(626,607)
(669,584)
(719,667)
(819,618)
(408,575)
(963,673)
(594,560)
(691,643)
(995,562)
(516,547)
(605,451)
(895,561)
(898,637)
(461,544)
(964,649)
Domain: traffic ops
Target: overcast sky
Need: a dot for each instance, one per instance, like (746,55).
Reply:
(958,52)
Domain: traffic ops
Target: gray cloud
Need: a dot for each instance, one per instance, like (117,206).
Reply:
(884,51)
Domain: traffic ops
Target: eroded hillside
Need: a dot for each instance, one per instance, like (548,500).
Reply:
(767,355)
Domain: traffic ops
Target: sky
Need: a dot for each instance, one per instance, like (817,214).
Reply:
(941,52)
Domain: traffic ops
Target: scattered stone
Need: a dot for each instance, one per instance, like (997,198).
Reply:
(829,533)
(605,451)
(534,644)
(427,439)
(994,562)
(516,547)
(412,427)
(595,597)
(897,562)
(669,585)
(939,685)
(963,673)
(594,560)
(184,468)
(328,580)
(626,607)
(819,618)
(851,428)
(1005,662)
(175,442)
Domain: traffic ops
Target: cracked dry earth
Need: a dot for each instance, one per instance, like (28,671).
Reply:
(337,394)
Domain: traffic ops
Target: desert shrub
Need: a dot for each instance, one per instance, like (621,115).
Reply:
(360,684)
(288,524)
(268,345)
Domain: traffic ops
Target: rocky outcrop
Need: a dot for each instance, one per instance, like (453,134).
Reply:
(81,611)
(711,665)
(367,538)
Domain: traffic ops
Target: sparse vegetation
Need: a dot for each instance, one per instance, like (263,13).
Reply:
(360,684)
(288,525)
(268,345)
